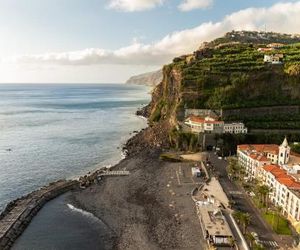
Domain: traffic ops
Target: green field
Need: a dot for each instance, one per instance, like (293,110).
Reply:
(279,224)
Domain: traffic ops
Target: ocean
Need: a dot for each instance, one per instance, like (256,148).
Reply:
(49,132)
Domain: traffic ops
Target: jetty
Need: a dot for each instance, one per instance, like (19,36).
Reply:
(114,173)
(18,213)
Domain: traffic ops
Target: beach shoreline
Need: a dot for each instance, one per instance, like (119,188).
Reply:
(147,209)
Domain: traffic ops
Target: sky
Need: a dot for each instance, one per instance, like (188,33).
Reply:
(107,41)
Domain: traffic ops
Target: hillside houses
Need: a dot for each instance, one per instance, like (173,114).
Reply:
(274,59)
(275,45)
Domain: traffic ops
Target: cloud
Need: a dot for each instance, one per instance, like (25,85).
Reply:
(282,17)
(188,5)
(134,5)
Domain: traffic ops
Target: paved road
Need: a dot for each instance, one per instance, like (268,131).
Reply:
(243,203)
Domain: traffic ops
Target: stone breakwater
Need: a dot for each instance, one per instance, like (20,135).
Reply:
(18,213)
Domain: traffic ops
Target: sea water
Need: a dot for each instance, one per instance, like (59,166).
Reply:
(49,132)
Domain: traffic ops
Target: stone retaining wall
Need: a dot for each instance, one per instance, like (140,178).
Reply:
(18,213)
(260,111)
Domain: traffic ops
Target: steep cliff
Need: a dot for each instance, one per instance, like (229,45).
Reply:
(149,79)
(166,96)
(230,73)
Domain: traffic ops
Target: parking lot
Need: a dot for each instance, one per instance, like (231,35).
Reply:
(185,177)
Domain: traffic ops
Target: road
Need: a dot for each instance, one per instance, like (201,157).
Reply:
(243,203)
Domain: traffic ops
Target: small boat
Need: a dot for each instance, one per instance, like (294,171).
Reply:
(9,150)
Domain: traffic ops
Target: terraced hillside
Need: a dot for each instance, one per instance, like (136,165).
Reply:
(233,75)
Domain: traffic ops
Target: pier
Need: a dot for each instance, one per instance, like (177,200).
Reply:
(114,173)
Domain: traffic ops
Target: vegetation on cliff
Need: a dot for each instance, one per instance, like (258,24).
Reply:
(230,73)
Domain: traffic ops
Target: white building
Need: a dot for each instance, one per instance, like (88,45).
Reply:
(212,125)
(254,156)
(276,45)
(235,128)
(207,124)
(277,168)
(285,190)
(214,226)
(274,59)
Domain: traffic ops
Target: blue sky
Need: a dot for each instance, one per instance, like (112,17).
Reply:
(88,40)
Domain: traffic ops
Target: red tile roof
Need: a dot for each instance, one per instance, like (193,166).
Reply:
(282,177)
(262,148)
(258,157)
(196,119)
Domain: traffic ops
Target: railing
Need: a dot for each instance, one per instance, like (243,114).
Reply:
(114,173)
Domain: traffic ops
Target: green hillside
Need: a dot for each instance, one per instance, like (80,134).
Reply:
(230,73)
(236,76)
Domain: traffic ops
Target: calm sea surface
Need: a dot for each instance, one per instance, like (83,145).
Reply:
(48,132)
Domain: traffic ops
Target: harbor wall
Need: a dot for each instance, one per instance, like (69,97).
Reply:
(18,213)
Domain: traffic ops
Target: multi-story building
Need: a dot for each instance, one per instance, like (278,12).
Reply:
(210,124)
(285,190)
(204,125)
(235,128)
(279,169)
(253,157)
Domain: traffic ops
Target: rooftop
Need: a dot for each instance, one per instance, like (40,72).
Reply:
(259,157)
(214,221)
(214,189)
(208,120)
(282,176)
(260,148)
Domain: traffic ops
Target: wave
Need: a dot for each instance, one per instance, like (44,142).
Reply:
(123,154)
(142,117)
(84,213)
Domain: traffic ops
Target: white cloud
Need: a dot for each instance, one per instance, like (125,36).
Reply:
(134,5)
(188,5)
(283,17)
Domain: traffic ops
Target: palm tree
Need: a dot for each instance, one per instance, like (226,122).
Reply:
(237,215)
(264,192)
(278,211)
(235,169)
(251,239)
(243,219)
(246,218)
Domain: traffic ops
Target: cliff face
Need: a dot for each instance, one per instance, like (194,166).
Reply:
(166,97)
(162,112)
(230,73)
(149,79)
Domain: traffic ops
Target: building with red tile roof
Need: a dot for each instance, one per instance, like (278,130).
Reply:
(285,190)
(255,156)
(210,124)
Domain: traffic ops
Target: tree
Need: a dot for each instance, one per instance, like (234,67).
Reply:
(293,70)
(250,239)
(278,212)
(234,169)
(243,219)
(264,192)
